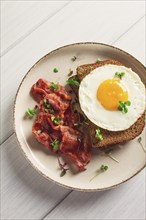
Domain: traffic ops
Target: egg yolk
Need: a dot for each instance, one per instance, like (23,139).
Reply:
(110,92)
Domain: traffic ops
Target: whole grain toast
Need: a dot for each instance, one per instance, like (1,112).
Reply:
(110,138)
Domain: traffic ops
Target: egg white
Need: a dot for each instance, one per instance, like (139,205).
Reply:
(96,113)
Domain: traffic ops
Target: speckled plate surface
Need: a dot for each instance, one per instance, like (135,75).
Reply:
(131,157)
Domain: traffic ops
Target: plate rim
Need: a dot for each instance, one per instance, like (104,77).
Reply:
(14,124)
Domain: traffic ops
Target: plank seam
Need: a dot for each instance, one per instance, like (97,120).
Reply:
(129,29)
(18,41)
(7,138)
(57,204)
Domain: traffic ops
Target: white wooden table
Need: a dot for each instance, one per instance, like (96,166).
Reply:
(30,29)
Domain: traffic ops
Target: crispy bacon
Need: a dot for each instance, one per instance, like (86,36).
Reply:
(73,143)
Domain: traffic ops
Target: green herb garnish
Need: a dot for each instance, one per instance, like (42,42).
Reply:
(56,120)
(55,144)
(74,81)
(55,70)
(30,112)
(39,131)
(119,75)
(98,134)
(102,169)
(140,141)
(54,86)
(73,58)
(123,106)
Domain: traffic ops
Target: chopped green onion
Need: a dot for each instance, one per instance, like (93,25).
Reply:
(120,75)
(39,131)
(123,106)
(98,60)
(98,134)
(74,81)
(56,120)
(55,144)
(46,110)
(54,86)
(55,70)
(30,112)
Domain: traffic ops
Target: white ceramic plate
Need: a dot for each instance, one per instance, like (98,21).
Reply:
(131,156)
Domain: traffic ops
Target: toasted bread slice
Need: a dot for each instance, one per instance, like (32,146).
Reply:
(110,138)
(84,70)
(116,137)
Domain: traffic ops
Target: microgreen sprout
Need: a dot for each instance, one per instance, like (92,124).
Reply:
(74,81)
(102,169)
(54,86)
(119,74)
(55,144)
(30,112)
(140,141)
(98,134)
(123,106)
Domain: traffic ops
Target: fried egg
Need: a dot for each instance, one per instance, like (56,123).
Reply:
(102,91)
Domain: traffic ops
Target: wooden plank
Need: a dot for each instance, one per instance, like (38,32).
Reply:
(20,18)
(25,194)
(134,41)
(90,23)
(124,202)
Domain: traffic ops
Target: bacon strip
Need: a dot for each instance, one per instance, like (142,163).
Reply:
(73,143)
